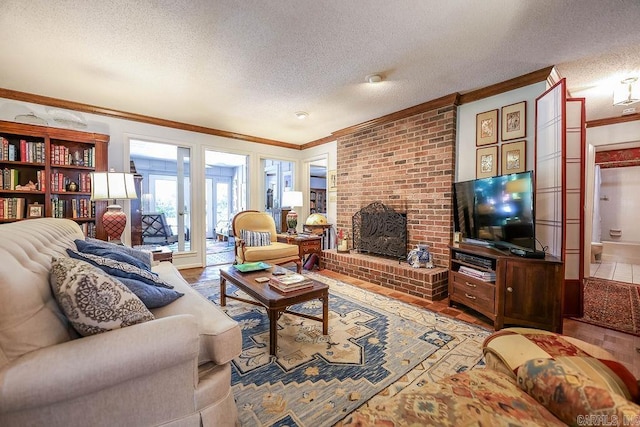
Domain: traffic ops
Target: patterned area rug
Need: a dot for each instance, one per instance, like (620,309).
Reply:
(613,305)
(376,345)
(219,253)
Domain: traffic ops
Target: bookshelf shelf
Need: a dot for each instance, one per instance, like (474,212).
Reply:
(25,192)
(48,159)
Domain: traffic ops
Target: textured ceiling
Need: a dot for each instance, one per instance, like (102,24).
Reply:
(247,66)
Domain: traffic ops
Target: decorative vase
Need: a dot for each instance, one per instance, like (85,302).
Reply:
(72,186)
(292,222)
(343,245)
(420,257)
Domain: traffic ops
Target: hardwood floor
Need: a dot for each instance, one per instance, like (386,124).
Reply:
(625,347)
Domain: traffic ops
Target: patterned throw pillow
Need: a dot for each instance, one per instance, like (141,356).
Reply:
(571,395)
(256,238)
(120,269)
(93,301)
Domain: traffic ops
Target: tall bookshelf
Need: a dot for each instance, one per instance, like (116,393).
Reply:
(39,165)
(318,200)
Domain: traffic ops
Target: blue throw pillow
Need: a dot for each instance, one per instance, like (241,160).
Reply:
(151,296)
(141,256)
(111,253)
(120,269)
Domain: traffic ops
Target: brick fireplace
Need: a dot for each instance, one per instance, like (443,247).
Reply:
(406,164)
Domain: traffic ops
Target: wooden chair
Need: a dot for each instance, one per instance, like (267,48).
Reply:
(273,253)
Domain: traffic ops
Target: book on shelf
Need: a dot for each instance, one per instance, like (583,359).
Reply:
(485,276)
(9,179)
(12,207)
(290,282)
(31,151)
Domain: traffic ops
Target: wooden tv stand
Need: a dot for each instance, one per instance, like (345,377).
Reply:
(525,292)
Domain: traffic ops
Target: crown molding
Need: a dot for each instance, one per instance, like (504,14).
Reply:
(445,101)
(318,142)
(541,75)
(507,85)
(613,120)
(453,99)
(92,109)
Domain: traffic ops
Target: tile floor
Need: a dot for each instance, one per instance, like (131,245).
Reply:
(618,271)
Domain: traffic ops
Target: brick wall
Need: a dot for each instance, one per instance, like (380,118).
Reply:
(407,164)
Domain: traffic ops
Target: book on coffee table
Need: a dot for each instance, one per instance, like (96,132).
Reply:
(290,282)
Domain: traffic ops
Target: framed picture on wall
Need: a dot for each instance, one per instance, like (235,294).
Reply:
(514,157)
(514,121)
(487,162)
(333,180)
(487,128)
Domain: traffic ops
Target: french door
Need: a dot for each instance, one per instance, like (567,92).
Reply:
(166,187)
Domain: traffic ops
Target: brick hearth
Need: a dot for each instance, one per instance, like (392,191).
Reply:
(427,283)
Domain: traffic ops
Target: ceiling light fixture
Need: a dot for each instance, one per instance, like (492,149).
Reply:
(302,115)
(373,78)
(627,92)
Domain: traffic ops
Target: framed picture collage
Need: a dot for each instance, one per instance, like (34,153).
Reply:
(510,122)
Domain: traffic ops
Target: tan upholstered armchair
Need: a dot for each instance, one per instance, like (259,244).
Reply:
(256,240)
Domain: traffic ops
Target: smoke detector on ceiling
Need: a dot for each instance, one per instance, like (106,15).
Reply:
(373,78)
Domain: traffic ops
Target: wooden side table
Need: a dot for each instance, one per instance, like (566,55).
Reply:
(322,230)
(307,245)
(162,254)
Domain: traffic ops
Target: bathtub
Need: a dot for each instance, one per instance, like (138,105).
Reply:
(627,252)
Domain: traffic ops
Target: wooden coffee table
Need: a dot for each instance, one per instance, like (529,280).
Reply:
(275,302)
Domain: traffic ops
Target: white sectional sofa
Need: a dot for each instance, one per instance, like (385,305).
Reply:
(173,370)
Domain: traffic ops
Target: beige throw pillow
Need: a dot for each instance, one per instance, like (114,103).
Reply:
(93,301)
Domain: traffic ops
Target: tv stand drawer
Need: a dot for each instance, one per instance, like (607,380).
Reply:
(476,294)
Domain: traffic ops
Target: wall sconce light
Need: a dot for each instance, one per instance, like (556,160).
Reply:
(627,92)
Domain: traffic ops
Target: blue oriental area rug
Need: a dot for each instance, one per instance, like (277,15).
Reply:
(375,345)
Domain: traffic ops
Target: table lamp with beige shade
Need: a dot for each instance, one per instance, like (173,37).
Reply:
(113,186)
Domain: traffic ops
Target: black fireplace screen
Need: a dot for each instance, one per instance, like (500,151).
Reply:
(380,230)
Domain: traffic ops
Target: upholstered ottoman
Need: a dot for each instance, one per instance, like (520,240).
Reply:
(480,397)
(508,349)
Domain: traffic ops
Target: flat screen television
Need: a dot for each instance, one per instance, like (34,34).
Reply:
(496,211)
